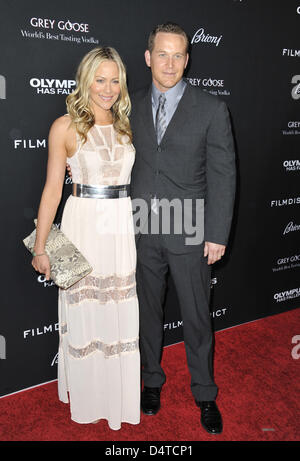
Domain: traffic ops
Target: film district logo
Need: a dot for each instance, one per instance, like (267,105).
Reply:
(285,202)
(58,30)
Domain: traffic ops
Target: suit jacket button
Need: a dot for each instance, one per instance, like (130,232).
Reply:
(159,149)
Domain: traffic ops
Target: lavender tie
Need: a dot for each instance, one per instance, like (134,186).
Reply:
(161,118)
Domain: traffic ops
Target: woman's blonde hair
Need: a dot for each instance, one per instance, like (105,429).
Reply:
(78,105)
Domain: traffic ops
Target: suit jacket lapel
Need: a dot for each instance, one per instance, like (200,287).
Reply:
(180,116)
(185,105)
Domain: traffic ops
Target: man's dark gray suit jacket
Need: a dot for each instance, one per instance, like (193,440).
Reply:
(194,160)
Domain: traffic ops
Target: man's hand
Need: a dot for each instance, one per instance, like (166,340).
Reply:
(214,251)
(69,170)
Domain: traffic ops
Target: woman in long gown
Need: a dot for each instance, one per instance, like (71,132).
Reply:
(99,362)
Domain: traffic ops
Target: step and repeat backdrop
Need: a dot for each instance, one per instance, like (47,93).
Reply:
(246,52)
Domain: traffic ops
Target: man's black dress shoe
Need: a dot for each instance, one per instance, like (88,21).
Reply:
(150,400)
(211,418)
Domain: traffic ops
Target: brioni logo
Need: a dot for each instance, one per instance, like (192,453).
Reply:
(201,36)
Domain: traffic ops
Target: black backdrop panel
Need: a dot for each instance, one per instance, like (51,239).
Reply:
(247,53)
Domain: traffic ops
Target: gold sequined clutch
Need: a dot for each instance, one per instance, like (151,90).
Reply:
(67,264)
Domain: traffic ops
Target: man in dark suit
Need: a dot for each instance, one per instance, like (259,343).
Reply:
(184,151)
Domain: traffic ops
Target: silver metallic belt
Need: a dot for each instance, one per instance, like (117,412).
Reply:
(86,191)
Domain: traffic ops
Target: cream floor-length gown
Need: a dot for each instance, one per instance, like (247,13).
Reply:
(99,360)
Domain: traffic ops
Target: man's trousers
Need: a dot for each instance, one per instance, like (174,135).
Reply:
(191,276)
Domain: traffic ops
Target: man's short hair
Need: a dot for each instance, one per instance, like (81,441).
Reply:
(169,28)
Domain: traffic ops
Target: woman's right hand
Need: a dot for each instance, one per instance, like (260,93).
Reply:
(42,265)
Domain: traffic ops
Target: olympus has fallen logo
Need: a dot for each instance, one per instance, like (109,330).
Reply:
(287,262)
(201,36)
(293,128)
(291,165)
(52,85)
(287,295)
(58,30)
(43,281)
(296,88)
(41,278)
(213,85)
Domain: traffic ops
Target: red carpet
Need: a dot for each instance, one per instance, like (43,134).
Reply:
(258,382)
